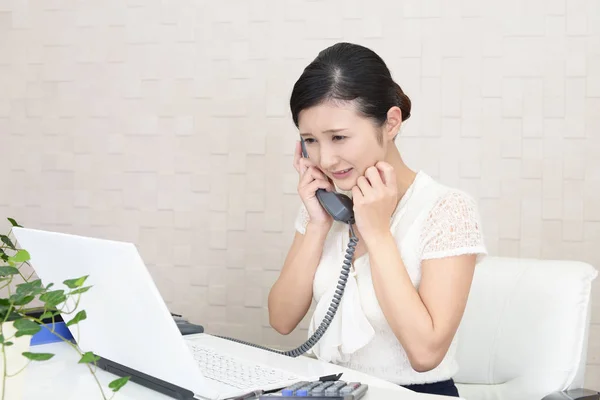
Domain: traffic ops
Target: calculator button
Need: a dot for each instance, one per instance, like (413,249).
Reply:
(290,390)
(333,389)
(320,388)
(346,390)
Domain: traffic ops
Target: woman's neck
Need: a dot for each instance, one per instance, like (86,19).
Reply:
(404,175)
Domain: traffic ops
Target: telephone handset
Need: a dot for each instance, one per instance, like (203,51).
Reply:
(340,207)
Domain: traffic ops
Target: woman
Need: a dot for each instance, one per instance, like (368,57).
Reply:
(419,241)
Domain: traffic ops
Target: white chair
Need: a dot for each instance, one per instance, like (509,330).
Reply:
(524,334)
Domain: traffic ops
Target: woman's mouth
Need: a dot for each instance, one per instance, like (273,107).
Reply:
(341,174)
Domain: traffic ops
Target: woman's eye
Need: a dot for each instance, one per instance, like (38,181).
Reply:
(309,140)
(338,137)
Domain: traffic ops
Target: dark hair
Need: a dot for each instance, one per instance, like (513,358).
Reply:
(346,72)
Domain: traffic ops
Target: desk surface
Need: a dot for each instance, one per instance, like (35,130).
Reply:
(63,378)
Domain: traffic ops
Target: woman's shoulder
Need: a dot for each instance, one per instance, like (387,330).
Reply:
(446,200)
(454,203)
(452,225)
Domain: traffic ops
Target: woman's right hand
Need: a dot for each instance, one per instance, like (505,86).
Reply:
(310,179)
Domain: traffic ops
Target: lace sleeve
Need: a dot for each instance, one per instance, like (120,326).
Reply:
(302,219)
(452,228)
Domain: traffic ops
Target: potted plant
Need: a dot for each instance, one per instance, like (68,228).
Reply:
(25,306)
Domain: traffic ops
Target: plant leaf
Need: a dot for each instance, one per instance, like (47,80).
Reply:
(20,299)
(38,356)
(9,343)
(88,357)
(12,315)
(118,383)
(21,256)
(49,314)
(80,290)
(3,256)
(33,287)
(80,316)
(7,311)
(75,283)
(7,241)
(26,327)
(5,271)
(13,222)
(53,298)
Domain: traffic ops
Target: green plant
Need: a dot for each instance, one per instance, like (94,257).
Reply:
(17,293)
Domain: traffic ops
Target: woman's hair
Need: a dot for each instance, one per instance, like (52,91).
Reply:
(346,72)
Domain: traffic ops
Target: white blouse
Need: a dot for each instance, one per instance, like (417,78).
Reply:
(430,221)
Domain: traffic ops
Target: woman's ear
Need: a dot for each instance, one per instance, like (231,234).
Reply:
(393,122)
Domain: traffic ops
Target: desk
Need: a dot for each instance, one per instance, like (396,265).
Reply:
(62,378)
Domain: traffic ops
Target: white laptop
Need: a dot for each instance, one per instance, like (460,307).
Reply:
(130,327)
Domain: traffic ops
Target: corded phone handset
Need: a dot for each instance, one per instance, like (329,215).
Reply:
(340,207)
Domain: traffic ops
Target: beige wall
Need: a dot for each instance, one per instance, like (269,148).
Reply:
(166,124)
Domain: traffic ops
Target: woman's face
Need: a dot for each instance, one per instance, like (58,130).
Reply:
(342,142)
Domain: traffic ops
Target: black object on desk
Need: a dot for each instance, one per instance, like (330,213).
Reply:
(186,327)
(328,378)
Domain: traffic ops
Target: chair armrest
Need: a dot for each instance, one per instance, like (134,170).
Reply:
(574,394)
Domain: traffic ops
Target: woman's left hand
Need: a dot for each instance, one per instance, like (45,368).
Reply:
(375,198)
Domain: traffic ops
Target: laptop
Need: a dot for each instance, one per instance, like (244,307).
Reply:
(130,328)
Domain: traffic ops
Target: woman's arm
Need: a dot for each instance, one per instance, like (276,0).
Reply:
(424,321)
(291,295)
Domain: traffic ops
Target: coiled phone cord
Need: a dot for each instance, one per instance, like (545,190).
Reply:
(335,302)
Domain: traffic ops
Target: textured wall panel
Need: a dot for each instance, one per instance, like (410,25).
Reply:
(167,124)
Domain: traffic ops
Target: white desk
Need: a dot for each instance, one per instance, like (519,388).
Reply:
(62,378)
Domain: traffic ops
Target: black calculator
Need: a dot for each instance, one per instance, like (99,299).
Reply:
(317,390)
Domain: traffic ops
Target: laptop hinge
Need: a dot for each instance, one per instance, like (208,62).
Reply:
(156,384)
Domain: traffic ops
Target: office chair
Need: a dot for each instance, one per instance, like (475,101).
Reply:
(524,334)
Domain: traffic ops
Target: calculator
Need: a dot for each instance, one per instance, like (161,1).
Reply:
(318,390)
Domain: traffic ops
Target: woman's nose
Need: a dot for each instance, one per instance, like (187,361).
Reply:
(328,158)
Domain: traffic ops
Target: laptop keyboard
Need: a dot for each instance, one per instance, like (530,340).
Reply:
(236,372)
